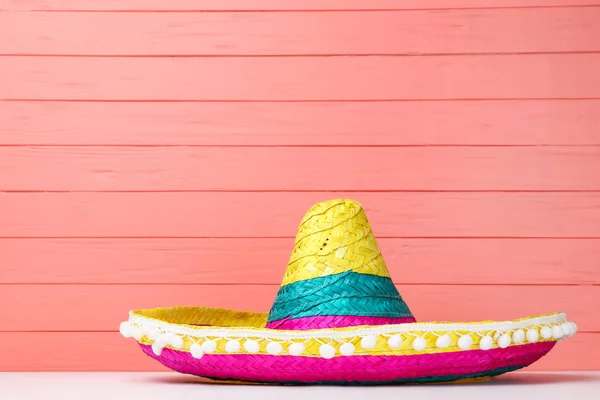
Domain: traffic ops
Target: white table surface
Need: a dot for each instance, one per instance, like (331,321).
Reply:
(173,386)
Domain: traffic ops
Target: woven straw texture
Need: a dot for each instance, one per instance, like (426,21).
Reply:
(334,237)
(347,293)
(338,318)
(320,322)
(336,269)
(348,370)
(201,319)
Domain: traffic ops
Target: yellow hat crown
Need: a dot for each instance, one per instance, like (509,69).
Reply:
(334,237)
(336,275)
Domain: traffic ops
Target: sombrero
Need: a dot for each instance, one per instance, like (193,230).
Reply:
(338,319)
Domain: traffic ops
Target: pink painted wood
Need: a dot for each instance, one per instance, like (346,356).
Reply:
(416,32)
(253,5)
(302,78)
(262,260)
(108,351)
(229,152)
(103,307)
(530,122)
(185,168)
(277,214)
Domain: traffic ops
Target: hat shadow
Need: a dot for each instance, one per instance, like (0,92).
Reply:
(538,378)
(515,379)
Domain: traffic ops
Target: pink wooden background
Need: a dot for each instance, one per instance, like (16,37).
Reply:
(162,152)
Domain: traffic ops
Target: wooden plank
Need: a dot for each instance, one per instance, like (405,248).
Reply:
(235,214)
(539,122)
(421,32)
(255,5)
(72,351)
(301,78)
(108,351)
(261,261)
(300,168)
(103,307)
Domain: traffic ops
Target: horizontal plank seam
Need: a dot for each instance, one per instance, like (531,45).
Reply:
(303,10)
(54,331)
(184,145)
(507,284)
(116,331)
(397,100)
(293,237)
(8,191)
(315,55)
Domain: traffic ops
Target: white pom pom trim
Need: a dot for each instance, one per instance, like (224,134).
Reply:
(519,336)
(465,342)
(274,348)
(486,343)
(419,344)
(251,346)
(233,346)
(327,351)
(347,349)
(573,326)
(546,332)
(532,335)
(443,341)
(296,349)
(196,351)
(368,342)
(175,341)
(395,341)
(151,331)
(209,346)
(136,333)
(157,349)
(504,340)
(126,329)
(162,340)
(554,327)
(557,332)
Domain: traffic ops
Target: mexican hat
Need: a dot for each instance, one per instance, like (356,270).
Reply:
(338,319)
